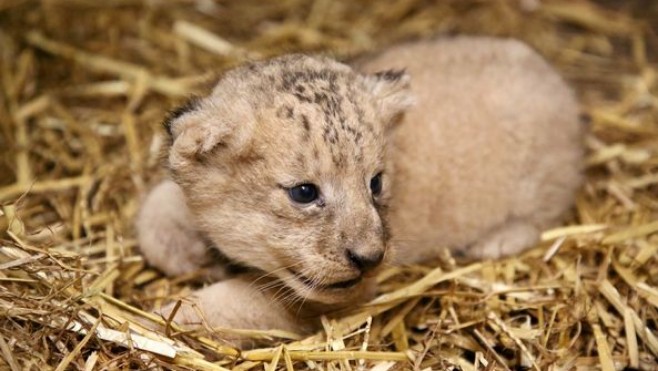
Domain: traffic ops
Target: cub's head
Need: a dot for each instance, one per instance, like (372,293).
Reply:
(284,169)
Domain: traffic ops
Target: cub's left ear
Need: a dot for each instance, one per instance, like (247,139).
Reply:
(392,90)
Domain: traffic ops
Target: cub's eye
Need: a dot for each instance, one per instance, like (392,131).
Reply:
(303,193)
(376,184)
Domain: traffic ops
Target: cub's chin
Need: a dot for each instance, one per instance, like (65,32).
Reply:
(347,292)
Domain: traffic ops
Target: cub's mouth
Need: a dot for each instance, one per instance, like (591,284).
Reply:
(310,283)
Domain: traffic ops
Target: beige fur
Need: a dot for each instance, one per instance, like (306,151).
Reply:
(487,157)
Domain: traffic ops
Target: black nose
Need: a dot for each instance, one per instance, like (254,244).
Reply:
(365,262)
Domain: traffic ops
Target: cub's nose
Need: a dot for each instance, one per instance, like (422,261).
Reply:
(365,262)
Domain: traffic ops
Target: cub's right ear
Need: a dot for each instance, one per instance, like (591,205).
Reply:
(192,104)
(194,131)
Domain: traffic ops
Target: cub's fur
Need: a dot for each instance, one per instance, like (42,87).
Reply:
(478,144)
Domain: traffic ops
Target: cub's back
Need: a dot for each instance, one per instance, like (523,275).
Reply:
(494,136)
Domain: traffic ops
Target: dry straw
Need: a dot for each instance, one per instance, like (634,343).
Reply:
(85,83)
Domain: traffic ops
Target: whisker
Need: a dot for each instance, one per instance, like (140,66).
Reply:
(280,294)
(269,285)
(271,273)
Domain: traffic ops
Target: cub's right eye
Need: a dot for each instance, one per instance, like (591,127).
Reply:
(304,193)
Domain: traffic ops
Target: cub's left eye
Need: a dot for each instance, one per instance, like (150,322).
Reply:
(376,184)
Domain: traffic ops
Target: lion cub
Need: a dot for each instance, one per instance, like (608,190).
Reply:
(305,174)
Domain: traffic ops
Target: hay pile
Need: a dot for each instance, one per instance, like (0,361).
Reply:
(85,84)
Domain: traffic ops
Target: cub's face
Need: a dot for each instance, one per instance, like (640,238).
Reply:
(284,169)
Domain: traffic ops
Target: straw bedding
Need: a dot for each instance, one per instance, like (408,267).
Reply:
(85,84)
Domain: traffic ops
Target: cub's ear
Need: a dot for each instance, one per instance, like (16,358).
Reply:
(194,131)
(190,105)
(392,90)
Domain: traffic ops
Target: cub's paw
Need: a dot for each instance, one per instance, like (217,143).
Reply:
(511,238)
(185,312)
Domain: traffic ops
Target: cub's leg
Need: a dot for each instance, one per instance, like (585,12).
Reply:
(238,303)
(167,236)
(510,238)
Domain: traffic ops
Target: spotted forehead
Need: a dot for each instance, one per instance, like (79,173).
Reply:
(330,111)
